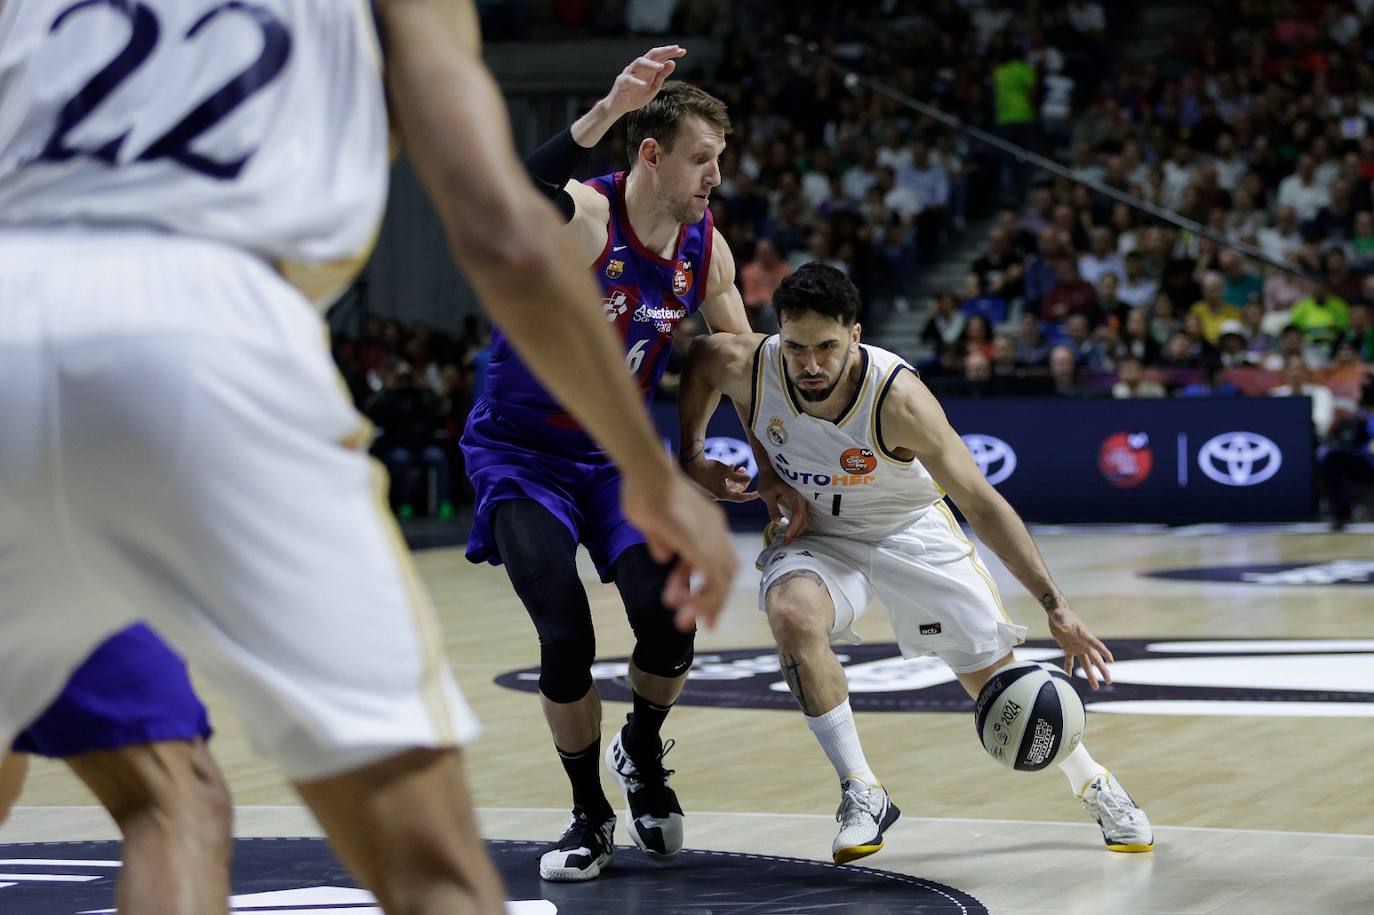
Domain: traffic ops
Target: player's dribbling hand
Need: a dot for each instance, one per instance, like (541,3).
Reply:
(786,507)
(721,481)
(681,526)
(1081,647)
(640,81)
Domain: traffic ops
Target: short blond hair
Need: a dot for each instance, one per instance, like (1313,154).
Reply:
(663,117)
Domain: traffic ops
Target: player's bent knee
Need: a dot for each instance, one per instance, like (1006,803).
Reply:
(666,654)
(563,679)
(797,624)
(171,784)
(660,648)
(567,643)
(567,648)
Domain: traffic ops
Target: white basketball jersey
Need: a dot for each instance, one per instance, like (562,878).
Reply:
(858,489)
(258,123)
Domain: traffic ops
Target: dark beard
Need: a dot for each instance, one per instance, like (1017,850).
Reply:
(822,394)
(815,396)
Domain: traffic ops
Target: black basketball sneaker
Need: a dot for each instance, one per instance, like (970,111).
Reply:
(653,815)
(585,849)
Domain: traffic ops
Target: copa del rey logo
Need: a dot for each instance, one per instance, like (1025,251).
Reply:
(682,278)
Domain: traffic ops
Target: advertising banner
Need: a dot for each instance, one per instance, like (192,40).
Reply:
(1093,461)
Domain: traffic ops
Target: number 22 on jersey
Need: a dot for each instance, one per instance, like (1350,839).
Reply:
(145,34)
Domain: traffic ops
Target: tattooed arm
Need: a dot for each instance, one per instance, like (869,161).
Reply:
(914,424)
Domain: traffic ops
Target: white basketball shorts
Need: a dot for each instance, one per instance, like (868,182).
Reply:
(940,597)
(177,447)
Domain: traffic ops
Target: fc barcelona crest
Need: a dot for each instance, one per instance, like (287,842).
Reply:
(682,278)
(614,268)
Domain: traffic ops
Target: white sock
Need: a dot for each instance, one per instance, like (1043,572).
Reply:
(840,740)
(1080,768)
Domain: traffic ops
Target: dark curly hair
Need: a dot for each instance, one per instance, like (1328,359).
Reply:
(819,288)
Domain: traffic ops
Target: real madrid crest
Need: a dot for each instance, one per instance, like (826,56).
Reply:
(777,433)
(682,278)
(614,268)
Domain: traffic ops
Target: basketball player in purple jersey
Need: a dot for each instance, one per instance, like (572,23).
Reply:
(543,486)
(130,727)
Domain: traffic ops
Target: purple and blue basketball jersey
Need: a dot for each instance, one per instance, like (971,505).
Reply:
(519,442)
(132,689)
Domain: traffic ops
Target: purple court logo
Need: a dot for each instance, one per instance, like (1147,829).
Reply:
(1282,574)
(302,877)
(1243,677)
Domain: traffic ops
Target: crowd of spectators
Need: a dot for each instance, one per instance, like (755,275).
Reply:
(816,172)
(416,386)
(1258,123)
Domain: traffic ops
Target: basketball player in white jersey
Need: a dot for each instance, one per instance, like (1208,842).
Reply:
(177,445)
(855,432)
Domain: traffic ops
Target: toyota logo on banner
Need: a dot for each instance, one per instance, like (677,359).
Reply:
(732,452)
(993,456)
(1239,459)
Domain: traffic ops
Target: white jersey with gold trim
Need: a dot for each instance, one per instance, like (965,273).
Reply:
(257,123)
(859,489)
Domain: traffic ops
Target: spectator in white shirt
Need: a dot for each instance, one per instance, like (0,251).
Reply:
(1282,238)
(1136,289)
(1178,174)
(927,178)
(1244,221)
(861,176)
(1137,169)
(1087,17)
(898,198)
(1299,384)
(893,153)
(1102,258)
(1302,191)
(1131,382)
(1328,167)
(1342,26)
(1056,106)
(1230,167)
(815,184)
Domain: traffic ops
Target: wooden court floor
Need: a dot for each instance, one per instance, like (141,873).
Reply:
(1267,808)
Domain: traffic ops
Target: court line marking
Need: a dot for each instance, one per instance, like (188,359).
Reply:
(975,820)
(788,816)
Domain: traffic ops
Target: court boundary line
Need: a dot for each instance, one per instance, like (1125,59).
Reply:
(789,816)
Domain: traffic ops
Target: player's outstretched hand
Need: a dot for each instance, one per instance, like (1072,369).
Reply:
(721,481)
(1081,647)
(640,81)
(681,526)
(784,503)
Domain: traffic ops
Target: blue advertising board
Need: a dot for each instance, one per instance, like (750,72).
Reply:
(1163,461)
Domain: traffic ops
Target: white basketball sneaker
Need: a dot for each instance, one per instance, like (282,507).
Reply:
(1124,825)
(585,849)
(865,814)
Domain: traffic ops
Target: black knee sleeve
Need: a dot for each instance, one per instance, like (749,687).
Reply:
(660,647)
(540,558)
